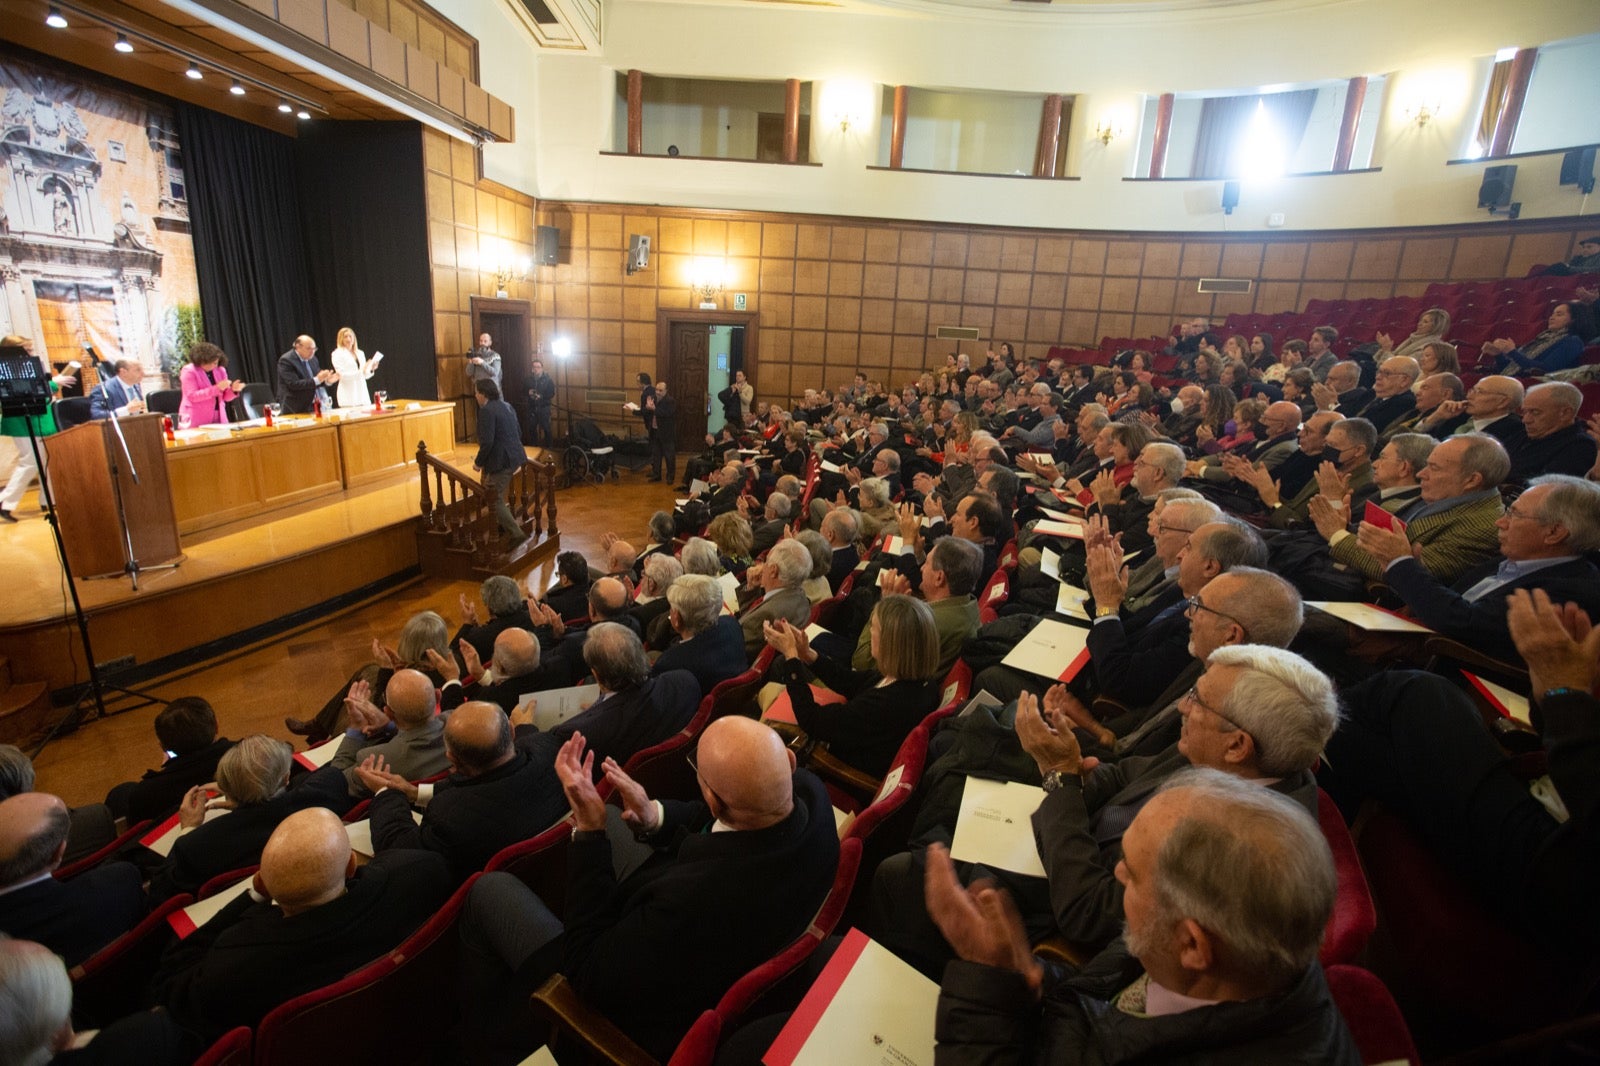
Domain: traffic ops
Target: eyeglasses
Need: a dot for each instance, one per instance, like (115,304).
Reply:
(1162,527)
(1393,374)
(1195,604)
(699,777)
(1513,513)
(1193,696)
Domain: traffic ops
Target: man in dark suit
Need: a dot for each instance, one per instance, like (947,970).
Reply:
(518,670)
(1544,537)
(635,710)
(652,949)
(120,395)
(500,453)
(710,644)
(187,731)
(768,529)
(663,425)
(541,389)
(73,918)
(498,794)
(1392,398)
(1343,391)
(309,918)
(503,599)
(1554,441)
(301,380)
(839,530)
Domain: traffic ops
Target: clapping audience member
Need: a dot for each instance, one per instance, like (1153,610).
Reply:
(424,632)
(502,598)
(409,738)
(650,603)
(186,729)
(779,579)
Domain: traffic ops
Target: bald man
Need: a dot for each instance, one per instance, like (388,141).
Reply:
(309,918)
(412,743)
(733,878)
(300,379)
(1281,425)
(500,790)
(72,918)
(518,668)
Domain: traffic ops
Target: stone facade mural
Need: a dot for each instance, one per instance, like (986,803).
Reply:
(96,259)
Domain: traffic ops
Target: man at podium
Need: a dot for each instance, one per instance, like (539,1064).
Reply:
(120,395)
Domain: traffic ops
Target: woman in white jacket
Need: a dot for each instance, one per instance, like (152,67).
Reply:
(354,368)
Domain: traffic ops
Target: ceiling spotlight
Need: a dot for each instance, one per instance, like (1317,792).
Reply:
(56,20)
(283,105)
(122,44)
(302,113)
(193,72)
(236,89)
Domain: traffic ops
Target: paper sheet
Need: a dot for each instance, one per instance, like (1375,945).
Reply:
(866,1008)
(895,546)
(360,834)
(556,705)
(195,915)
(1366,616)
(1501,698)
(994,826)
(832,468)
(1071,601)
(698,488)
(320,755)
(730,593)
(1052,649)
(162,837)
(542,1057)
(1050,563)
(1050,528)
(1062,516)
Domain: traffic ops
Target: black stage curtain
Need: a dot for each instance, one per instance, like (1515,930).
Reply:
(363,222)
(249,255)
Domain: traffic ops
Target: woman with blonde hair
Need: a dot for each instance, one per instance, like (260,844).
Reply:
(731,533)
(354,369)
(885,704)
(1432,325)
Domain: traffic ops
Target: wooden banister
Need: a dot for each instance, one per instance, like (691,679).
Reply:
(458,511)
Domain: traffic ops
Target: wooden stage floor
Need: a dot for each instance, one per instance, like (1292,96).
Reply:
(253,687)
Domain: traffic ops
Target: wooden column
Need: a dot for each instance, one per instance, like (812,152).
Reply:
(897,129)
(791,120)
(1158,147)
(1516,93)
(635,112)
(1044,162)
(1355,95)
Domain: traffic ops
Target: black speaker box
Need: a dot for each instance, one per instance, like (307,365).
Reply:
(1496,188)
(1577,168)
(547,246)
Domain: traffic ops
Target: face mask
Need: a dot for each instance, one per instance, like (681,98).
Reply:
(1177,406)
(1332,455)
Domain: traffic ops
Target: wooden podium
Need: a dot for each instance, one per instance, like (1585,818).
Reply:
(87,471)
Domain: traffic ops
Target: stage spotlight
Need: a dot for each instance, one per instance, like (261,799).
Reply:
(236,89)
(283,105)
(193,73)
(561,347)
(123,44)
(56,20)
(302,114)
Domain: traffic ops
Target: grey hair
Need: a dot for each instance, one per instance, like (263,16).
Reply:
(38,853)
(844,523)
(35,1002)
(1097,420)
(1266,606)
(615,655)
(876,489)
(254,770)
(1452,384)
(1288,706)
(1171,496)
(662,528)
(1573,504)
(698,601)
(662,570)
(1358,431)
(1198,511)
(700,556)
(1407,366)
(422,631)
(1486,457)
(792,560)
(1252,868)
(878,429)
(501,594)
(1565,393)
(780,505)
(16,771)
(891,459)
(1233,544)
(1413,449)
(821,551)
(1168,458)
(961,563)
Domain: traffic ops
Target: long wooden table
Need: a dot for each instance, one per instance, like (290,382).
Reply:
(253,470)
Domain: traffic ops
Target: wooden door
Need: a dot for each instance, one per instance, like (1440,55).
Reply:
(690,360)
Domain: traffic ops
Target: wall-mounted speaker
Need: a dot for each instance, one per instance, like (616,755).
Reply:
(1496,188)
(638,252)
(1230,196)
(547,246)
(1577,168)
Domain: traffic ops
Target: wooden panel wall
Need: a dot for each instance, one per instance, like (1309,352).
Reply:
(418,25)
(471,222)
(837,294)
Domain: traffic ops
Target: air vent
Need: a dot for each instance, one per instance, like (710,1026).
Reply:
(606,397)
(541,14)
(1234,285)
(956,333)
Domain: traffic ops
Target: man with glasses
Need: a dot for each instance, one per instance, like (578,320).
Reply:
(1391,390)
(1346,452)
(1491,407)
(1543,537)
(1281,422)
(725,882)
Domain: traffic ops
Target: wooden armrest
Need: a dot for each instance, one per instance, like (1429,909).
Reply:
(558,1003)
(826,764)
(1056,949)
(792,734)
(1445,648)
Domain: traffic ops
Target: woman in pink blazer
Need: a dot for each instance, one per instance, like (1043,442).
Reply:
(206,388)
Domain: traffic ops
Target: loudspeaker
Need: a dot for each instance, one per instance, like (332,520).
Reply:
(638,252)
(547,245)
(1496,188)
(1577,168)
(1230,196)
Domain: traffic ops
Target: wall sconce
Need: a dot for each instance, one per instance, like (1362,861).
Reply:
(706,279)
(1106,132)
(846,103)
(508,272)
(1422,113)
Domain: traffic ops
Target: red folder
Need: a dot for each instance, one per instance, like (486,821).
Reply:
(1377,516)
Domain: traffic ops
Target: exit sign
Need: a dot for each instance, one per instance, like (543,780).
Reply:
(738,301)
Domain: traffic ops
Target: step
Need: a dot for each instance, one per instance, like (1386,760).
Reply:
(23,710)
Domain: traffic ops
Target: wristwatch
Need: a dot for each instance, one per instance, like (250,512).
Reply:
(1052,781)
(1106,610)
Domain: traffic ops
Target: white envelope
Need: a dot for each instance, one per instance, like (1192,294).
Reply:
(1366,616)
(994,827)
(556,705)
(1051,649)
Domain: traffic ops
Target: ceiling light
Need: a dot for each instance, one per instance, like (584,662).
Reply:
(236,89)
(122,44)
(302,113)
(56,20)
(193,72)
(284,106)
